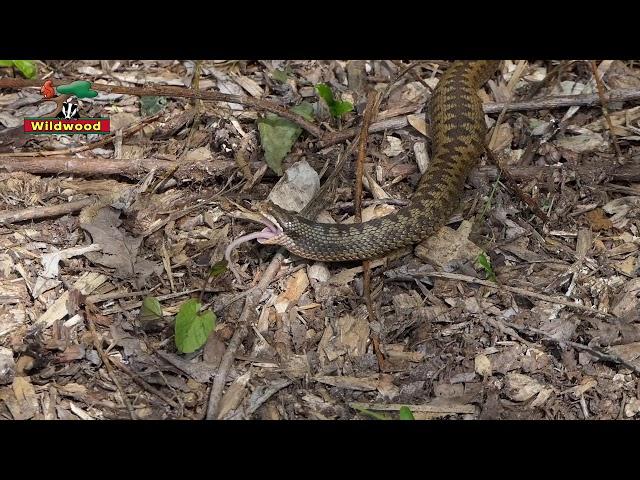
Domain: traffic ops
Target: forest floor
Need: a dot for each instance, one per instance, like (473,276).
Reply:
(514,310)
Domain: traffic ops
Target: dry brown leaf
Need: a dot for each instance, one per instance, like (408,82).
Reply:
(502,138)
(632,408)
(296,286)
(586,384)
(234,394)
(396,352)
(521,388)
(629,352)
(418,122)
(582,143)
(353,334)
(598,220)
(449,246)
(7,366)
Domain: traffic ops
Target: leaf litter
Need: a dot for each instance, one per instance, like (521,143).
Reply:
(454,348)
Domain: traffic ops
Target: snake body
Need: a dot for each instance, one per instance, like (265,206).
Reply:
(458,129)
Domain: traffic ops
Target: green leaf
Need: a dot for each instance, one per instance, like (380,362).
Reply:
(26,67)
(151,104)
(340,108)
(150,312)
(151,306)
(193,329)
(279,76)
(305,110)
(79,88)
(337,108)
(218,268)
(277,136)
(486,266)
(369,413)
(325,93)
(405,413)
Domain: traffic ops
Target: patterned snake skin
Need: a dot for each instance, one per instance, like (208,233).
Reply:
(458,130)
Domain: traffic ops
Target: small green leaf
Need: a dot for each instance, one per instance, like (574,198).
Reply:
(150,313)
(486,266)
(218,268)
(277,136)
(151,104)
(405,413)
(193,329)
(151,306)
(369,413)
(340,108)
(26,67)
(305,110)
(325,93)
(336,108)
(79,88)
(279,76)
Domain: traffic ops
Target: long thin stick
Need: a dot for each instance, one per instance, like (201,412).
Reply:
(546,103)
(519,291)
(238,336)
(605,109)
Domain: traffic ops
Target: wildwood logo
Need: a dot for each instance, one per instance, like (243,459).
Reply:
(68,121)
(62,126)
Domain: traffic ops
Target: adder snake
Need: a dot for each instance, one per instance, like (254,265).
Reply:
(458,130)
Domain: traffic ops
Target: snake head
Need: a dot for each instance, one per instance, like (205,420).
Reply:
(279,220)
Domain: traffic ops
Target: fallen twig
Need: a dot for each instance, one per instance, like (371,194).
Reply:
(89,146)
(517,290)
(513,185)
(607,357)
(369,114)
(97,343)
(238,336)
(136,378)
(552,102)
(561,101)
(32,213)
(605,109)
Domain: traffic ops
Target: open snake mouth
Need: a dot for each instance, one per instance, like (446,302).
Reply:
(267,236)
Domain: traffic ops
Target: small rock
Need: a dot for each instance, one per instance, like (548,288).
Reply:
(483,365)
(297,186)
(319,272)
(632,407)
(7,366)
(449,246)
(394,148)
(93,357)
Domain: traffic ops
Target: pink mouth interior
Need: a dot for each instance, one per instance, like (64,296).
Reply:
(265,234)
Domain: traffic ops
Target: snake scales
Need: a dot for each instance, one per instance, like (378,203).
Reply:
(458,130)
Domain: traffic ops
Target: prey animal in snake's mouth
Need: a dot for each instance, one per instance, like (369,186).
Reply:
(458,134)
